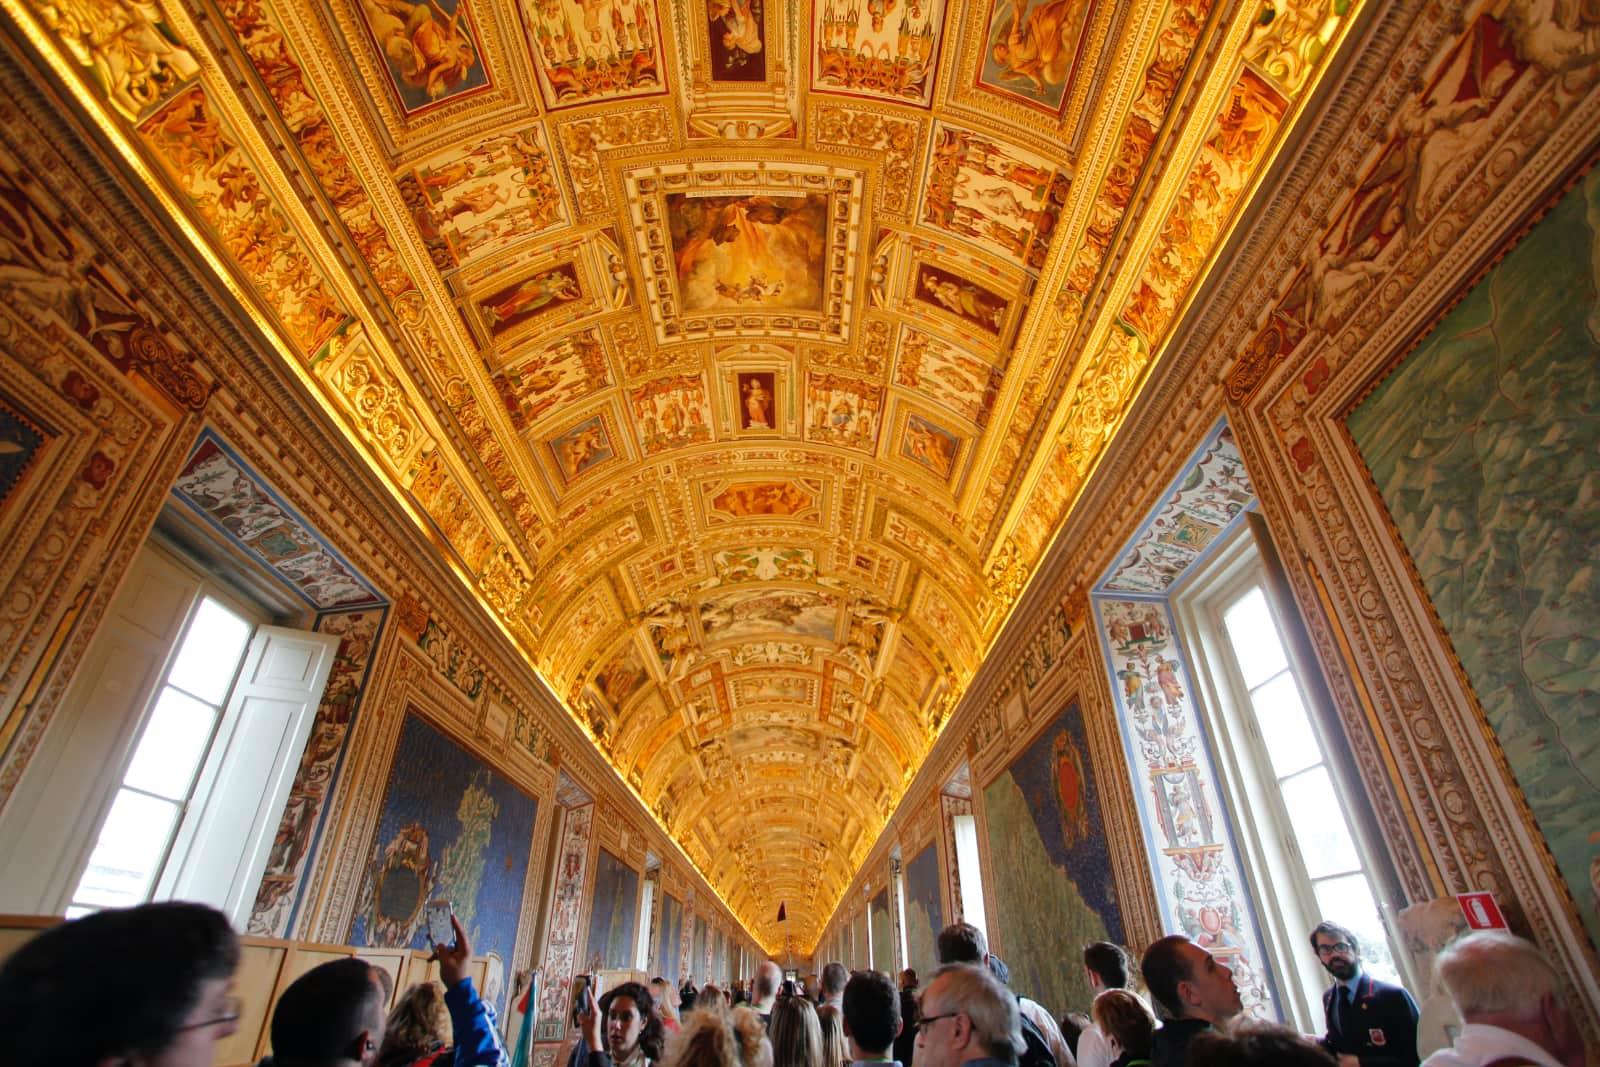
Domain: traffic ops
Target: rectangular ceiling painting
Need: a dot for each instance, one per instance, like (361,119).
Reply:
(737,40)
(1032,49)
(588,50)
(882,48)
(430,49)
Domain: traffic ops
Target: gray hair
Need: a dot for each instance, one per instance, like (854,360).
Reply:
(972,990)
(1493,972)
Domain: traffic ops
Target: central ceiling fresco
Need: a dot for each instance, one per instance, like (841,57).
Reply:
(742,357)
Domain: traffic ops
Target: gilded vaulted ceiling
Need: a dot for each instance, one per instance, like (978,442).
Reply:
(742,357)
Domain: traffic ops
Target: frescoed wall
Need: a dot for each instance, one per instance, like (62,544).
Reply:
(1052,877)
(859,941)
(924,915)
(450,829)
(560,954)
(613,914)
(669,935)
(882,933)
(1491,486)
(697,955)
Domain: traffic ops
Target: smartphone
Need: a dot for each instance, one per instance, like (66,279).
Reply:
(580,997)
(440,931)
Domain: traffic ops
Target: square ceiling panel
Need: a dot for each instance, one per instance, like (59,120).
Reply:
(760,249)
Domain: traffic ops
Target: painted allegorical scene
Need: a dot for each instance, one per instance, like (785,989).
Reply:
(612,914)
(882,933)
(995,194)
(430,48)
(535,384)
(505,310)
(737,39)
(748,613)
(924,912)
(967,300)
(947,375)
(588,50)
(1491,487)
(1033,48)
(930,445)
(758,402)
(452,829)
(584,446)
(741,500)
(622,676)
(671,412)
(884,48)
(749,252)
(1055,887)
(669,939)
(842,411)
(493,196)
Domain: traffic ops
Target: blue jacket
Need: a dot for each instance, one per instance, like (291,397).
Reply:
(1380,1027)
(477,1042)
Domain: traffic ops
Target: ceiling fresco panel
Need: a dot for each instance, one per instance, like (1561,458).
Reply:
(947,375)
(992,193)
(748,247)
(1034,48)
(493,194)
(430,50)
(592,50)
(877,48)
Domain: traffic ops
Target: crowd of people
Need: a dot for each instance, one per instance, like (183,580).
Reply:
(152,985)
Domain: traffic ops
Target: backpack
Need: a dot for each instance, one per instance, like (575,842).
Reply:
(1038,1053)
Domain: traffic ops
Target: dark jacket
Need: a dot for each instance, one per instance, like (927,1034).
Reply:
(1170,1046)
(1380,1028)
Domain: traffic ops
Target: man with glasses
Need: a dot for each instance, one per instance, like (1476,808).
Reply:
(147,983)
(968,1017)
(1370,1023)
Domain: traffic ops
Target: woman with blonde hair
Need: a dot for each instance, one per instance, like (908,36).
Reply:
(666,995)
(719,1038)
(795,1033)
(418,1029)
(835,1049)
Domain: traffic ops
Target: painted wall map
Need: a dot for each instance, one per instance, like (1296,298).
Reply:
(613,914)
(430,48)
(878,47)
(759,251)
(450,828)
(669,940)
(1033,48)
(1054,886)
(1491,486)
(882,933)
(924,913)
(587,50)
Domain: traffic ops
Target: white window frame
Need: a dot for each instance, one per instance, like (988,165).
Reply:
(1287,907)
(53,823)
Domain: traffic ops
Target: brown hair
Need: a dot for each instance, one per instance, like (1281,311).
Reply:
(1126,1020)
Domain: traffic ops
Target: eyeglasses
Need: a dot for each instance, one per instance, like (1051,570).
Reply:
(929,1020)
(231,1007)
(1344,948)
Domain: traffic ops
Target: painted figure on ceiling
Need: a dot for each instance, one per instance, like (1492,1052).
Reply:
(426,45)
(1038,45)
